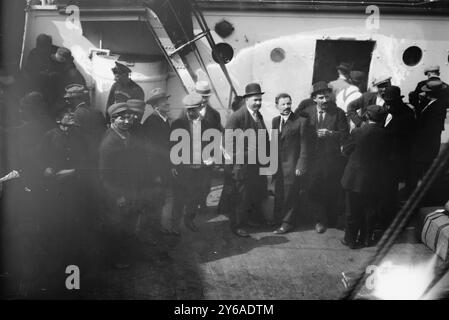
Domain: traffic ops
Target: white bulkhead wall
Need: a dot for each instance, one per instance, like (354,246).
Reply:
(258,33)
(53,23)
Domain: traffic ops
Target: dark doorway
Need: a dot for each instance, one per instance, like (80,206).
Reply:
(330,53)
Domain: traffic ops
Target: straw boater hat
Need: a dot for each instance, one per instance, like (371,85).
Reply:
(192,100)
(203,88)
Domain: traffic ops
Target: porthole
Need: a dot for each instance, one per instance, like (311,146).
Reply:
(277,55)
(412,56)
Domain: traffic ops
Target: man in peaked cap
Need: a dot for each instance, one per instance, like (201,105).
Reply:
(367,99)
(123,88)
(330,129)
(190,177)
(416,97)
(361,179)
(250,185)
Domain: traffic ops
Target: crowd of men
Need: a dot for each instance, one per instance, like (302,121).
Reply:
(72,168)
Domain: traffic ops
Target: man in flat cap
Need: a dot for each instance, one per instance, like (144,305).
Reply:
(357,108)
(91,121)
(157,129)
(190,177)
(361,179)
(429,125)
(417,97)
(122,172)
(330,129)
(251,186)
(123,88)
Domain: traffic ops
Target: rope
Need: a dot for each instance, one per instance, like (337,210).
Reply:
(402,218)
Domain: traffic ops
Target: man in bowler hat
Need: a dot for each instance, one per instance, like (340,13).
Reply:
(250,185)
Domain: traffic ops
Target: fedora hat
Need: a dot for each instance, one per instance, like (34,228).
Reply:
(252,89)
(319,87)
(434,85)
(203,88)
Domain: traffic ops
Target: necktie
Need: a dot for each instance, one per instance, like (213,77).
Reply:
(257,120)
(282,124)
(320,119)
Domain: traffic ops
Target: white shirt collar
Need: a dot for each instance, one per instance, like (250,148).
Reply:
(379,101)
(285,117)
(165,119)
(252,112)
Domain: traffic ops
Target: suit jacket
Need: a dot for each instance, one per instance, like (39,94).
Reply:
(293,144)
(364,172)
(242,119)
(184,123)
(367,99)
(213,117)
(157,134)
(430,124)
(413,96)
(334,120)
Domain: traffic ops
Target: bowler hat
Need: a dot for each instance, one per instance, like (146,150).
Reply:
(319,87)
(75,90)
(344,67)
(157,94)
(117,108)
(252,89)
(392,93)
(433,68)
(120,68)
(376,113)
(434,85)
(192,100)
(136,105)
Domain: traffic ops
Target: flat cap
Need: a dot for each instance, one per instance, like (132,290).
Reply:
(117,108)
(434,85)
(157,94)
(120,68)
(136,105)
(433,68)
(75,90)
(192,100)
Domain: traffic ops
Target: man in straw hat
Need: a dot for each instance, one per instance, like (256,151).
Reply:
(190,175)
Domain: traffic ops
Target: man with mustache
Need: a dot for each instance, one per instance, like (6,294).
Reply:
(292,152)
(330,129)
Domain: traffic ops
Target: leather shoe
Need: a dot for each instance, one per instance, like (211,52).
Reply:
(285,228)
(255,224)
(320,228)
(241,233)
